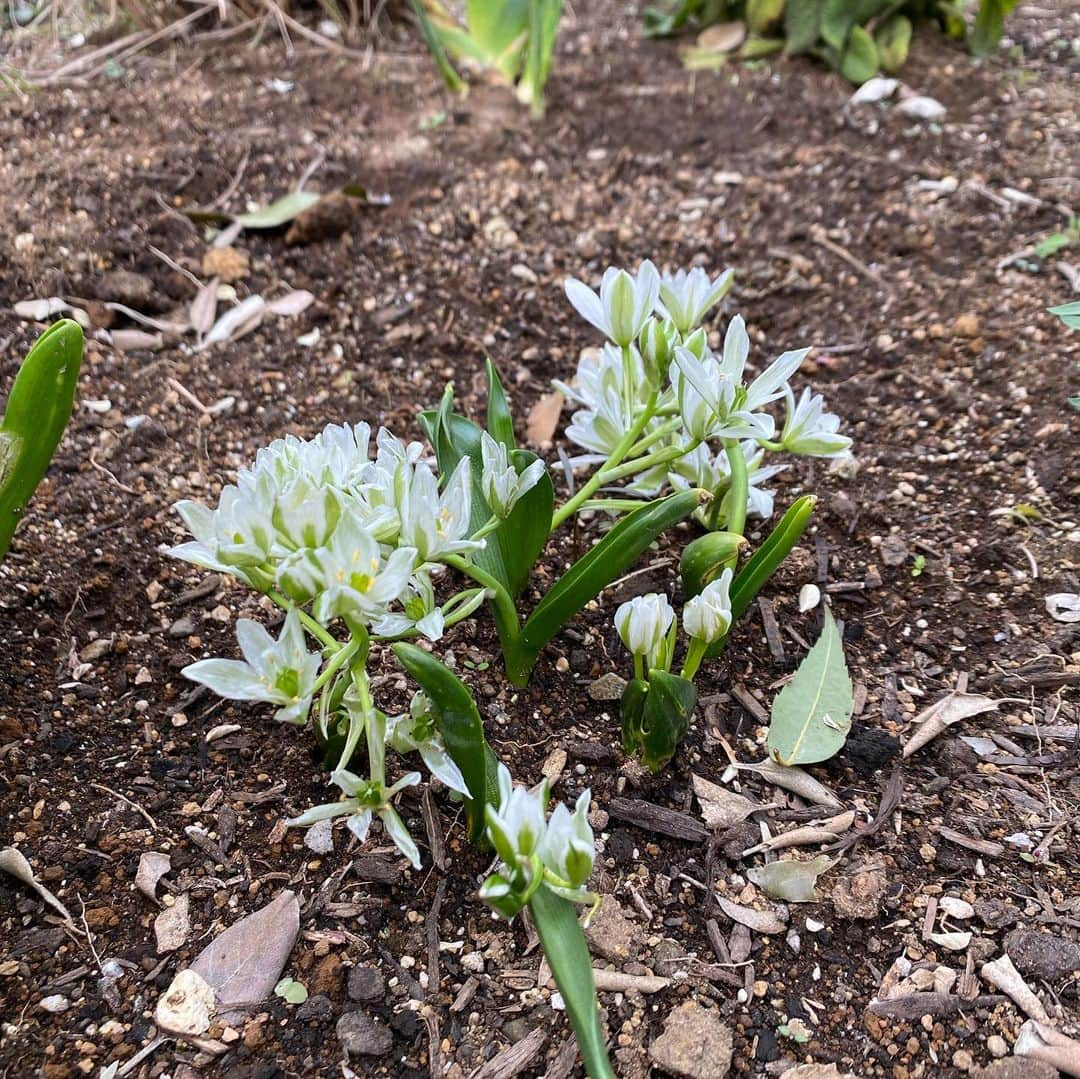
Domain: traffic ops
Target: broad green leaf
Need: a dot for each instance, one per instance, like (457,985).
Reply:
(500,424)
(791,880)
(837,20)
(860,60)
(499,29)
(893,39)
(763,15)
(568,957)
(280,211)
(656,715)
(660,23)
(459,723)
(38,409)
(811,715)
(802,25)
(512,549)
(1069,313)
(990,25)
(588,577)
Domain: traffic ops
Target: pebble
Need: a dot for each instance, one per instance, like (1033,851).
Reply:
(360,1035)
(695,1043)
(366,983)
(997,1045)
(608,687)
(1043,955)
(55,1003)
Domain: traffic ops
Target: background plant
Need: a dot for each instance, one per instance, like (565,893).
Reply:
(513,38)
(38,410)
(858,38)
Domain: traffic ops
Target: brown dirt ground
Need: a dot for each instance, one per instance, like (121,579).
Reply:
(949,374)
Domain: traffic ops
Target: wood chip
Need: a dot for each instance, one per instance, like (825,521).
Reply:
(515,1058)
(980,846)
(658,819)
(760,921)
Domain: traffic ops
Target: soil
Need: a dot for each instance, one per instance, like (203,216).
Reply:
(885,242)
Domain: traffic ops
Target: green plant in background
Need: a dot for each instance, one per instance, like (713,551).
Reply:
(858,38)
(1069,313)
(38,410)
(513,38)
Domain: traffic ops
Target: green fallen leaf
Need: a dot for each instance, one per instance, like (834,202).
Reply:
(811,715)
(1069,313)
(791,880)
(292,992)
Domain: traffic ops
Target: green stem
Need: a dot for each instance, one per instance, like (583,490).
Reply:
(313,627)
(738,491)
(500,597)
(695,653)
(623,447)
(639,666)
(774,447)
(336,662)
(643,464)
(487,527)
(655,436)
(614,505)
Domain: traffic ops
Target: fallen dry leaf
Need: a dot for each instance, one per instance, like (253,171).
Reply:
(133,340)
(237,321)
(13,862)
(543,419)
(952,708)
(797,781)
(152,867)
(1064,606)
(292,303)
(721,808)
(722,37)
(204,307)
(760,921)
(40,310)
(792,881)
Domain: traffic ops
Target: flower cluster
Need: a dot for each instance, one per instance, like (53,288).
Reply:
(329,533)
(689,408)
(534,850)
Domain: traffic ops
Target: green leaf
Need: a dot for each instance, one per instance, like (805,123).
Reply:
(757,48)
(280,212)
(292,992)
(1069,313)
(792,881)
(1075,403)
(512,549)
(802,25)
(567,954)
(1052,244)
(860,61)
(893,39)
(811,715)
(499,30)
(660,23)
(990,25)
(38,409)
(544,18)
(437,48)
(837,19)
(763,15)
(500,424)
(656,716)
(588,577)
(459,723)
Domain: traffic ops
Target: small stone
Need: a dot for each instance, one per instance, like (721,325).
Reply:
(126,287)
(997,1046)
(894,551)
(695,1043)
(228,263)
(315,1007)
(608,687)
(966,325)
(55,1004)
(172,926)
(1044,955)
(963,1060)
(360,1035)
(182,627)
(366,983)
(859,896)
(473,962)
(610,933)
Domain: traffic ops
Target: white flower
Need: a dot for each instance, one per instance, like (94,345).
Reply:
(438,524)
(686,298)
(281,672)
(772,382)
(704,395)
(421,612)
(415,731)
(501,483)
(517,826)
(656,344)
(568,848)
(348,575)
(624,303)
(707,617)
(809,429)
(701,467)
(643,625)
(366,799)
(305,514)
(238,534)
